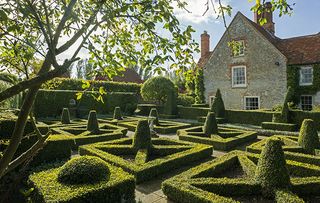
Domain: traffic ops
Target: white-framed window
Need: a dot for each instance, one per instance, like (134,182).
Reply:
(306,102)
(211,99)
(239,76)
(251,102)
(238,48)
(306,75)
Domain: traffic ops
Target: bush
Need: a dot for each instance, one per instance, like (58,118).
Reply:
(142,136)
(65,116)
(157,89)
(154,113)
(93,125)
(271,172)
(308,136)
(117,113)
(210,125)
(84,170)
(76,84)
(218,106)
(185,100)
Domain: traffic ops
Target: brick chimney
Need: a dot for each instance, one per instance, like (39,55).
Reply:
(205,44)
(268,15)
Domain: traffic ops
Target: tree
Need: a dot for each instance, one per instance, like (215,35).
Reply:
(199,87)
(116,33)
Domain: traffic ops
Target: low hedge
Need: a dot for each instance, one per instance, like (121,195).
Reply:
(144,109)
(279,126)
(192,112)
(227,138)
(59,99)
(297,116)
(164,127)
(7,127)
(119,188)
(185,100)
(211,182)
(169,154)
(76,84)
(252,117)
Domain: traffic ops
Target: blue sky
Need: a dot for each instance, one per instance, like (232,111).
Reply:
(305,19)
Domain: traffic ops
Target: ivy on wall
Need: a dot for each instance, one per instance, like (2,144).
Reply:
(293,81)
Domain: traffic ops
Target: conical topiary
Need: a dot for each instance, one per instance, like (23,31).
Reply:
(271,172)
(218,106)
(154,113)
(117,113)
(65,116)
(142,137)
(93,125)
(210,125)
(308,136)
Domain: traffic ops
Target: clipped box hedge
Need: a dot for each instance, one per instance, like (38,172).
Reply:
(164,127)
(7,127)
(49,103)
(144,109)
(119,188)
(227,138)
(291,150)
(168,154)
(279,126)
(212,182)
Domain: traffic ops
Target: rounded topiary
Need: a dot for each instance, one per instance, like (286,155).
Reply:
(271,172)
(210,125)
(93,125)
(218,106)
(154,113)
(142,137)
(308,136)
(157,89)
(84,170)
(117,113)
(65,116)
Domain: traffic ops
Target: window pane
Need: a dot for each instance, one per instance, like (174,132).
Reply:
(252,103)
(306,103)
(306,75)
(239,76)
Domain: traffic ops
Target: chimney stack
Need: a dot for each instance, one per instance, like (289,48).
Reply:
(205,44)
(268,15)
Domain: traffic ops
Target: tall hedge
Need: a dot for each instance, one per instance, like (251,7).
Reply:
(76,84)
(199,87)
(49,103)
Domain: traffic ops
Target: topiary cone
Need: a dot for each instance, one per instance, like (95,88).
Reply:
(218,105)
(142,137)
(308,136)
(117,113)
(65,116)
(210,125)
(154,113)
(271,172)
(92,125)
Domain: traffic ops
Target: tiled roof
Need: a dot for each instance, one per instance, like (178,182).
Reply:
(203,60)
(298,50)
(129,75)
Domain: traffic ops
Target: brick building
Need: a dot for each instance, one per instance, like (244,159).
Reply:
(257,71)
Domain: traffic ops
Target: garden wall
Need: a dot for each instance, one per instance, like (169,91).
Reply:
(49,103)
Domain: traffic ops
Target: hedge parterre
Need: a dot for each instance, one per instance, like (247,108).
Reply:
(226,139)
(231,178)
(162,156)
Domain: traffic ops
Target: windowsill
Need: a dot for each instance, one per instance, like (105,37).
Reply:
(239,86)
(238,56)
(305,84)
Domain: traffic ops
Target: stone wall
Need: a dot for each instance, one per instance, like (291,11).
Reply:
(265,68)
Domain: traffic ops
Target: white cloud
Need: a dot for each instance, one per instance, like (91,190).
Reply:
(196,10)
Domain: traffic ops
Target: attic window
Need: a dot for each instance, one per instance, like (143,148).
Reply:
(238,48)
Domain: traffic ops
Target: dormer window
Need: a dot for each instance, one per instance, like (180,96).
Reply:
(306,75)
(238,48)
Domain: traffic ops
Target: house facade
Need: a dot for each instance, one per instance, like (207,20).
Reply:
(256,71)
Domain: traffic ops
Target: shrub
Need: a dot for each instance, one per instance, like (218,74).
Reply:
(93,125)
(157,89)
(271,172)
(199,87)
(185,100)
(308,136)
(170,106)
(142,136)
(117,113)
(210,125)
(154,113)
(65,116)
(218,106)
(84,170)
